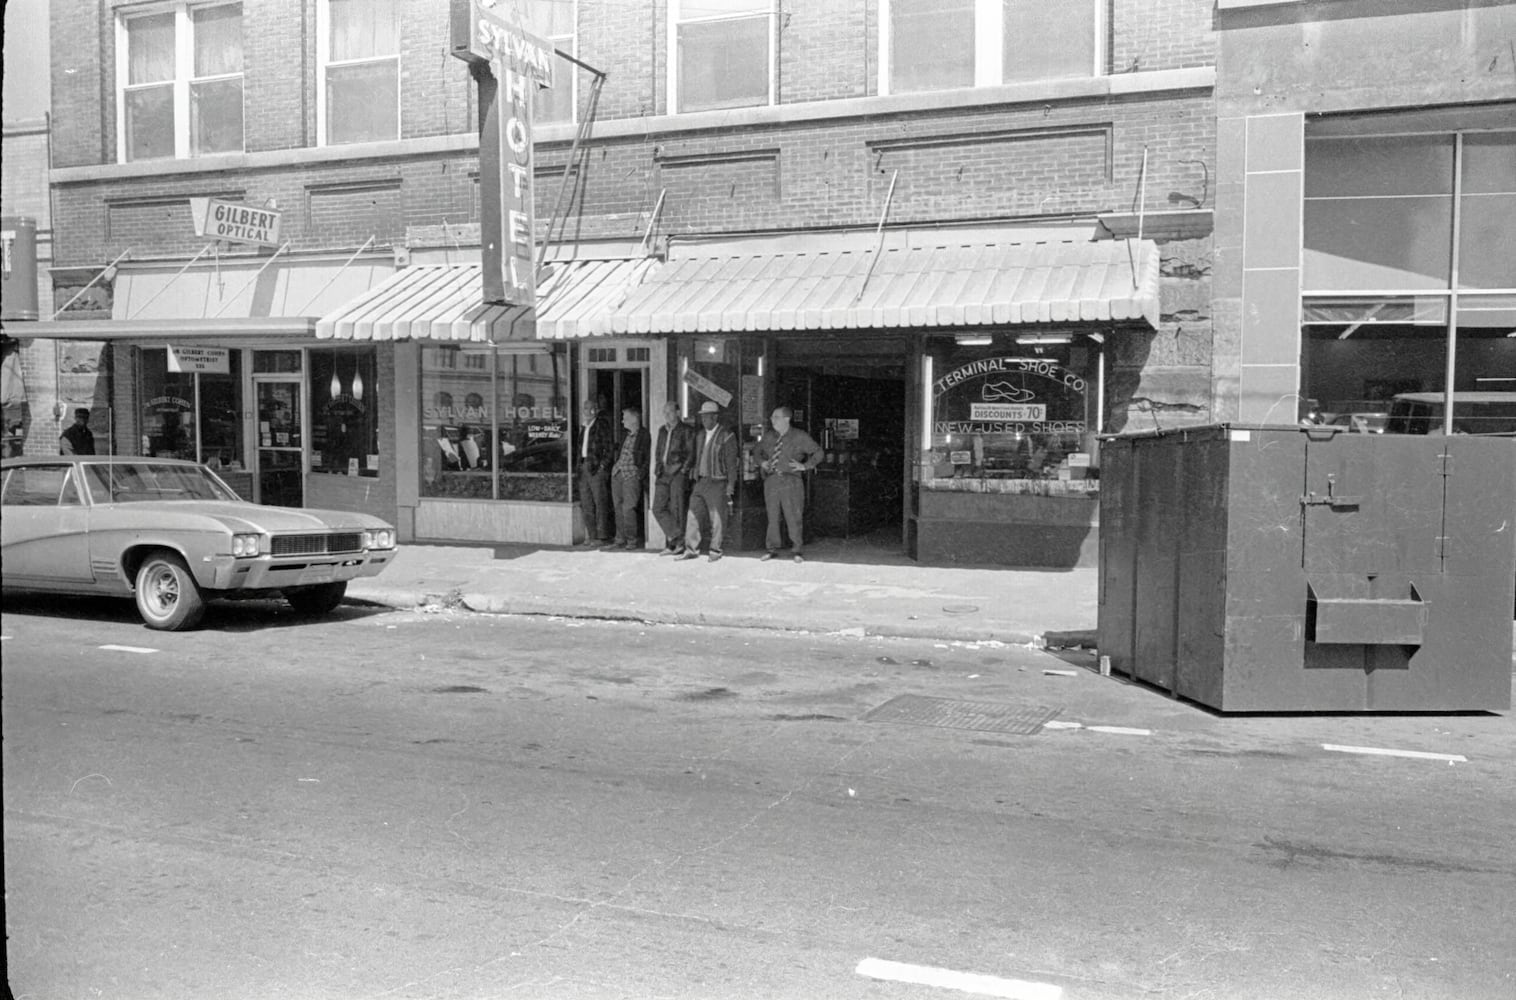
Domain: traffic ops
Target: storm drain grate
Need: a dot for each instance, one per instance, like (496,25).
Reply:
(985,716)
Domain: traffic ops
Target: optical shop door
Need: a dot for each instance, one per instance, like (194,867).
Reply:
(629,374)
(279,474)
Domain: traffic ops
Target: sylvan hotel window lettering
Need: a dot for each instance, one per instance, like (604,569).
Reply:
(179,82)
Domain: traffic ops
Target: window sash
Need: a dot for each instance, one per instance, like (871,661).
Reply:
(989,53)
(683,74)
(382,124)
(182,137)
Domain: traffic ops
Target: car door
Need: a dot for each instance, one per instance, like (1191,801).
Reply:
(44,527)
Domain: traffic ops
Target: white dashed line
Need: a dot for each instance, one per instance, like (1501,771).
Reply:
(129,649)
(1120,730)
(4,637)
(967,982)
(1383,752)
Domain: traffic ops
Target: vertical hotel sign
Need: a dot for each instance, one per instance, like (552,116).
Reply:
(509,65)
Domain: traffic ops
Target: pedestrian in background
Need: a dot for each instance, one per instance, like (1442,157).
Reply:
(597,453)
(628,478)
(674,462)
(716,472)
(785,454)
(78,439)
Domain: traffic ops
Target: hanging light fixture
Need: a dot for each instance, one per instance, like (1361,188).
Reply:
(336,386)
(357,383)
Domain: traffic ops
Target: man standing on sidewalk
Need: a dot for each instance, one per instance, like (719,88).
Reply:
(674,461)
(785,454)
(77,439)
(597,451)
(716,472)
(627,478)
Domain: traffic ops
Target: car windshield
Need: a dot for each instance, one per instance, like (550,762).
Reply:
(134,482)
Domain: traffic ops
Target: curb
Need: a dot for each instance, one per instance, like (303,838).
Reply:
(492,605)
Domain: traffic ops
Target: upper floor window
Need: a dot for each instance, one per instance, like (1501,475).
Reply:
(723,54)
(553,22)
(180,83)
(943,44)
(359,46)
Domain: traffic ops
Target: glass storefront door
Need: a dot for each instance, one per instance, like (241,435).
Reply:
(280,472)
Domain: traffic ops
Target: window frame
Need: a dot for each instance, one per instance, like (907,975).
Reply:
(324,63)
(676,20)
(989,46)
(183,79)
(564,71)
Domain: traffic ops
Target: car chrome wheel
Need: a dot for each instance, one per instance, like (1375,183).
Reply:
(167,595)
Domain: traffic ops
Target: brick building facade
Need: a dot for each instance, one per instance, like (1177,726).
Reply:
(842,130)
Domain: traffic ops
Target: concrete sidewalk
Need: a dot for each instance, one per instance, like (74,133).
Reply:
(836,589)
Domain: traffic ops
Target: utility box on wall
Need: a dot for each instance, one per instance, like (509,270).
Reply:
(1300,569)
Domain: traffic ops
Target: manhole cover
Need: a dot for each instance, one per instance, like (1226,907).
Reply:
(984,716)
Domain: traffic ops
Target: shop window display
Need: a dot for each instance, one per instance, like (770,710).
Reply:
(494,425)
(1012,417)
(344,418)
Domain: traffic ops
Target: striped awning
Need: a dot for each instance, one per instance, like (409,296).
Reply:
(445,302)
(950,282)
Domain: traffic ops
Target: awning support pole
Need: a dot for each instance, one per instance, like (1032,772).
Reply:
(653,219)
(249,283)
(345,265)
(888,198)
(177,274)
(1142,191)
(90,284)
(568,168)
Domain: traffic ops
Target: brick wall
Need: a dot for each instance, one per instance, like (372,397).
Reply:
(1160,34)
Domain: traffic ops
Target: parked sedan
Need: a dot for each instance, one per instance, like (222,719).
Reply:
(173,535)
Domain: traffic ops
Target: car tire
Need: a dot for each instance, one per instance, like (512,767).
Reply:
(316,600)
(168,598)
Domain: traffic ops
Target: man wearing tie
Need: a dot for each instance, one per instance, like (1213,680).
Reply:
(716,472)
(673,462)
(785,454)
(597,453)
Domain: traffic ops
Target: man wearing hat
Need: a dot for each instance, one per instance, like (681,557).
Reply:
(78,439)
(716,472)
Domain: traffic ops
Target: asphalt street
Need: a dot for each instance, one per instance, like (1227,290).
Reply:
(435,804)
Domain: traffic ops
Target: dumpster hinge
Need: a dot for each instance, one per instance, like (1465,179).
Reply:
(1332,498)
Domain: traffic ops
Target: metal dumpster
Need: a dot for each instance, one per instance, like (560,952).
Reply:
(1267,569)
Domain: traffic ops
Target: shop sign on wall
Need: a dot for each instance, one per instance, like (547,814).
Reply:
(211,360)
(227,220)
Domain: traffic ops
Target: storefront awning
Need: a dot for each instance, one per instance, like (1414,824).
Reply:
(443,302)
(925,281)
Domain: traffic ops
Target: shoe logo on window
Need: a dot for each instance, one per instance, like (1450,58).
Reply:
(1005,392)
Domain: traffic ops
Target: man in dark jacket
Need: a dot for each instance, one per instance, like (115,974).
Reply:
(78,439)
(628,477)
(674,460)
(596,455)
(716,474)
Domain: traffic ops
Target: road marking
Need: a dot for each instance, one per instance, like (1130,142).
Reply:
(4,637)
(1382,752)
(967,982)
(129,649)
(1120,730)
(1060,724)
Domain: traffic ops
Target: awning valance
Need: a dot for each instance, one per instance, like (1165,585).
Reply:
(444,302)
(948,281)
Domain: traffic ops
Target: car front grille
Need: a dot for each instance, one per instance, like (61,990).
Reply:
(308,545)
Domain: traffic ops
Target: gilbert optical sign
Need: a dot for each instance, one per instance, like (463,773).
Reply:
(227,220)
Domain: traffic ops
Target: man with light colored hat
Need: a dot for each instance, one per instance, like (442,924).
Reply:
(716,471)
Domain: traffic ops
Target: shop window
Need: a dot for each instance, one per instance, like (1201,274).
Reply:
(344,412)
(723,54)
(946,44)
(169,427)
(494,423)
(1015,415)
(180,83)
(1380,217)
(553,22)
(359,43)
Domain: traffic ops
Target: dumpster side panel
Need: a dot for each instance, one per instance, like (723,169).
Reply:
(1118,553)
(1265,618)
(1205,484)
(1465,661)
(1159,522)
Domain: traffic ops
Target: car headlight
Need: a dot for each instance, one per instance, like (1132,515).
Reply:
(245,545)
(378,538)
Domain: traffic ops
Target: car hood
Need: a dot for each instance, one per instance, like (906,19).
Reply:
(245,517)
